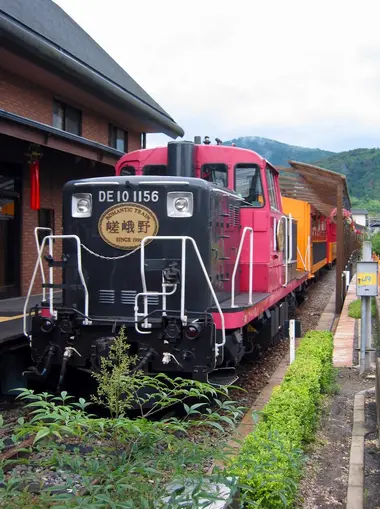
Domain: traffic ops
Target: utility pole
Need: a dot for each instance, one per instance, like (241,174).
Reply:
(366,288)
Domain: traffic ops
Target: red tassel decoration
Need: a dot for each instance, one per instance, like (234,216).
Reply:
(35,185)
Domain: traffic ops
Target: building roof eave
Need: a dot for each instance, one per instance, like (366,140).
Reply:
(70,66)
(53,131)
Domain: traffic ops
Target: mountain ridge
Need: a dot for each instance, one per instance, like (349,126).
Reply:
(360,165)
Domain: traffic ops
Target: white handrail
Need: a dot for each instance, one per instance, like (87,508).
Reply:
(246,229)
(290,238)
(50,238)
(309,252)
(183,239)
(286,246)
(36,230)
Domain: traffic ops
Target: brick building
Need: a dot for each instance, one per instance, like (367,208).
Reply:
(67,110)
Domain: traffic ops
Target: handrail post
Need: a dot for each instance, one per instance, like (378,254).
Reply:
(246,228)
(36,230)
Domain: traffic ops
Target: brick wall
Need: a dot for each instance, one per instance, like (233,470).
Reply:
(20,96)
(55,170)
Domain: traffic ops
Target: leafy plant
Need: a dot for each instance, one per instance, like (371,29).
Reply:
(355,309)
(270,460)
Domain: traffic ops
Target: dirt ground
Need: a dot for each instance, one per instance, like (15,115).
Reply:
(326,473)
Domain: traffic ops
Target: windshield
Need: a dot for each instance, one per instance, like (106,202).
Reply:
(216,173)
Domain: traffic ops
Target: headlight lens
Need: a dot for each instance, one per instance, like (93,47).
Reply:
(81,205)
(180,204)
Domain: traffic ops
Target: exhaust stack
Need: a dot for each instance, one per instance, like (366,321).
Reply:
(181,159)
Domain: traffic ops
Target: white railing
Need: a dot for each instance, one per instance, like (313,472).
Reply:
(250,230)
(145,294)
(286,246)
(50,239)
(36,231)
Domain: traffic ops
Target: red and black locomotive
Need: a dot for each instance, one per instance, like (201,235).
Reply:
(187,246)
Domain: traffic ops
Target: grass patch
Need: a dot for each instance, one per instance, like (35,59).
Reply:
(355,308)
(269,464)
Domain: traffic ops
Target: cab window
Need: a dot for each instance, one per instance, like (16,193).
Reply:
(155,169)
(128,170)
(271,180)
(216,173)
(248,184)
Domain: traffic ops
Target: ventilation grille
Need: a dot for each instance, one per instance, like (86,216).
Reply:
(234,215)
(128,298)
(106,296)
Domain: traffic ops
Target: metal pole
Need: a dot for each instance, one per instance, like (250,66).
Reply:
(339,248)
(292,340)
(366,324)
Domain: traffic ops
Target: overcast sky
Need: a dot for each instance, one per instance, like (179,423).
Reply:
(305,73)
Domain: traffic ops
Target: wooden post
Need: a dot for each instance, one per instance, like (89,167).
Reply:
(340,251)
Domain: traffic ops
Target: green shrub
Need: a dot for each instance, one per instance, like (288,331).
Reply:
(270,460)
(355,308)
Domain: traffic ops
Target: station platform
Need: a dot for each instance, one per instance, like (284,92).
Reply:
(344,337)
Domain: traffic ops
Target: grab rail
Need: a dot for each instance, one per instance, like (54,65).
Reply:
(145,293)
(250,230)
(50,238)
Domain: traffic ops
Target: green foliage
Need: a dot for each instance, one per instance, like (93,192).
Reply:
(123,462)
(355,308)
(269,464)
(118,461)
(375,240)
(362,168)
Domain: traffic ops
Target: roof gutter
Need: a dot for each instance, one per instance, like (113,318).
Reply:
(55,55)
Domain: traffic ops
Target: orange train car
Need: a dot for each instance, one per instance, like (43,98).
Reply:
(311,235)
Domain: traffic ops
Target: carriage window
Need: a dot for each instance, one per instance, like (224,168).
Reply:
(128,170)
(216,173)
(272,189)
(248,184)
(155,169)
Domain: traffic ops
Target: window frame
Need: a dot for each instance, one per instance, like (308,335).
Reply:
(155,174)
(210,164)
(66,109)
(130,168)
(50,223)
(261,182)
(113,137)
(276,208)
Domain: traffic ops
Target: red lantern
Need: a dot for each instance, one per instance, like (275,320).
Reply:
(35,185)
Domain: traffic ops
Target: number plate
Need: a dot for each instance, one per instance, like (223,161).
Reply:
(145,196)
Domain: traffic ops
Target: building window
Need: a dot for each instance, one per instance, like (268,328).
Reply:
(248,184)
(143,140)
(117,138)
(45,220)
(67,118)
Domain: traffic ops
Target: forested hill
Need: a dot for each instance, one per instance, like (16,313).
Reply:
(361,166)
(279,153)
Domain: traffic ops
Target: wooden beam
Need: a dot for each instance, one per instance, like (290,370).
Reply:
(339,249)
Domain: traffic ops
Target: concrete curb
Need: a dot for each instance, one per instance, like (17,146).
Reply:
(355,489)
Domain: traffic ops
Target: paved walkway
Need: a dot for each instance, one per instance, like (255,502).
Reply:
(345,333)
(327,318)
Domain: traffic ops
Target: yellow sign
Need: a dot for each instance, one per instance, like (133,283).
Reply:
(366,279)
(124,226)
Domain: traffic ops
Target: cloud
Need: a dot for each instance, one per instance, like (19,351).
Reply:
(307,72)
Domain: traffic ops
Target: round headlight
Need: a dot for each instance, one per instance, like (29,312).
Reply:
(83,205)
(181,204)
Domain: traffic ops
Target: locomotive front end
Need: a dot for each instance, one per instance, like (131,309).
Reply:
(137,252)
